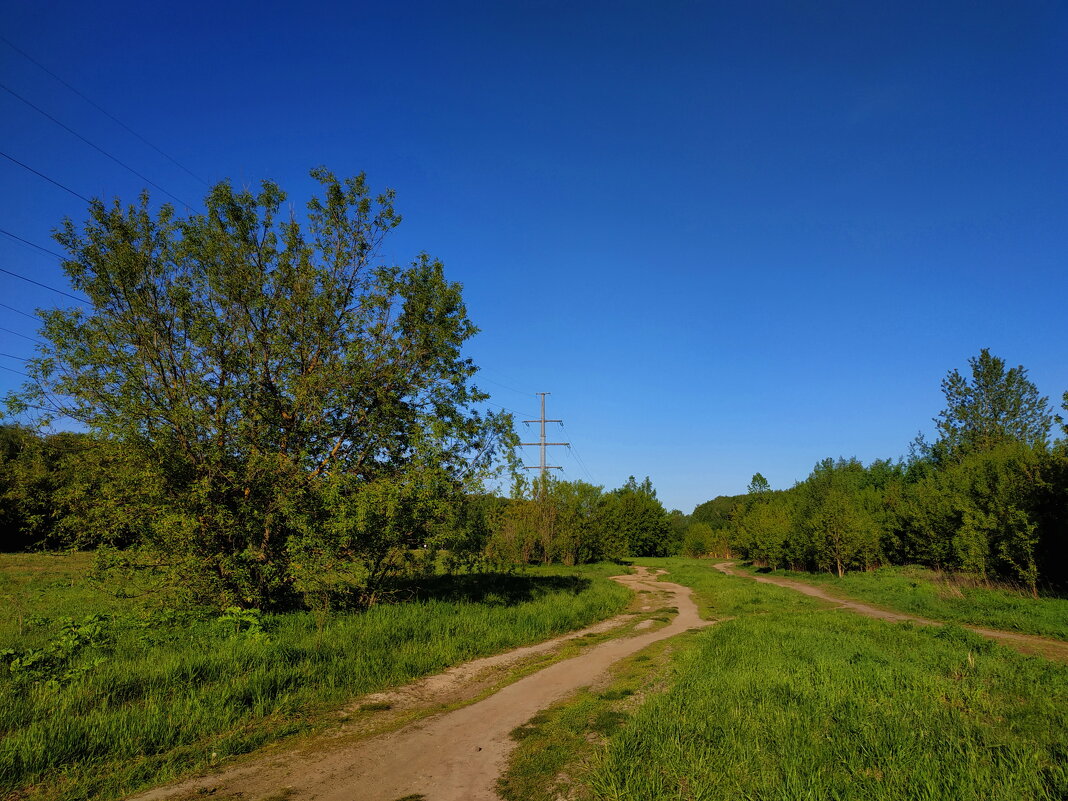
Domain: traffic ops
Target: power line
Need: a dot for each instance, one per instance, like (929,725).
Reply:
(45,286)
(42,248)
(42,175)
(19,311)
(96,147)
(12,356)
(24,336)
(505,386)
(102,110)
(513,411)
(13,370)
(582,464)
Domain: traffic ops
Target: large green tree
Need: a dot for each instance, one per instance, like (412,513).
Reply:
(303,408)
(635,522)
(995,407)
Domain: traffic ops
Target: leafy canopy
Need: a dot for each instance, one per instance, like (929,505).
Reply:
(301,406)
(996,407)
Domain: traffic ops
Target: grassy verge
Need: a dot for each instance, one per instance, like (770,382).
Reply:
(98,707)
(780,705)
(720,596)
(556,747)
(923,592)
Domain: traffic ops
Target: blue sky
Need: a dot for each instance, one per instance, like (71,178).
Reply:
(727,237)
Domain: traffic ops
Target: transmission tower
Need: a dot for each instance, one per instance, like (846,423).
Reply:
(542,443)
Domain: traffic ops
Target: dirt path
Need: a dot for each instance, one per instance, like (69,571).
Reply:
(453,756)
(1025,643)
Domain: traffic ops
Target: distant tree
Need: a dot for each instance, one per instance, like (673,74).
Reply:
(716,512)
(579,537)
(836,508)
(1064,420)
(996,406)
(758,485)
(680,523)
(635,522)
(15,443)
(843,534)
(303,410)
(767,529)
(697,540)
(550,521)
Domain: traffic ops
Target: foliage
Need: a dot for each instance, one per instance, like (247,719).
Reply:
(70,490)
(297,406)
(58,662)
(636,521)
(996,407)
(758,485)
(988,498)
(698,539)
(572,522)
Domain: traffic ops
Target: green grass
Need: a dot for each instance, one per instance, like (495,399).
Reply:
(159,695)
(923,592)
(51,585)
(555,748)
(719,596)
(793,702)
(832,705)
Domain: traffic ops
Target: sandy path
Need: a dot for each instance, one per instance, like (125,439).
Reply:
(454,756)
(1025,643)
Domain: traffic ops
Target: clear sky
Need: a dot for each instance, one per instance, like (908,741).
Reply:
(727,237)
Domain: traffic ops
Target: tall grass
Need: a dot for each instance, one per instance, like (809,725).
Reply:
(926,593)
(834,706)
(159,696)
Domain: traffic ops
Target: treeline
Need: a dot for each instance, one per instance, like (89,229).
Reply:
(574,522)
(275,416)
(70,490)
(989,496)
(67,490)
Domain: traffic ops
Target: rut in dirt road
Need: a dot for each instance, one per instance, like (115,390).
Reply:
(455,756)
(1025,643)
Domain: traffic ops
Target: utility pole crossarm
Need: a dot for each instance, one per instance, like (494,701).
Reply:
(542,466)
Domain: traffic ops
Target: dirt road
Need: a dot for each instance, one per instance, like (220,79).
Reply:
(454,756)
(1025,643)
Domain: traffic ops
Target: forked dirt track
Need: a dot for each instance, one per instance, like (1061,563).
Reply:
(1025,643)
(453,756)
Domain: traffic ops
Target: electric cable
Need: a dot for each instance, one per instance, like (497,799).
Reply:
(45,286)
(19,311)
(24,336)
(102,110)
(96,147)
(42,175)
(41,248)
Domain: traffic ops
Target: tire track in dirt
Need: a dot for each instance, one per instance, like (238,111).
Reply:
(453,756)
(1024,643)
